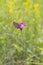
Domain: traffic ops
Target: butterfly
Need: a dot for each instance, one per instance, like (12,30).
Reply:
(20,25)
(16,24)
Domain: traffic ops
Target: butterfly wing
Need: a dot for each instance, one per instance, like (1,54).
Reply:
(15,24)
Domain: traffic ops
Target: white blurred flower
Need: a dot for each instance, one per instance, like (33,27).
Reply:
(41,52)
(41,39)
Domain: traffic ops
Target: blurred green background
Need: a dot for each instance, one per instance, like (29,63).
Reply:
(26,47)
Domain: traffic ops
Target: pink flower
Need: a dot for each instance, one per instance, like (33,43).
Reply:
(21,25)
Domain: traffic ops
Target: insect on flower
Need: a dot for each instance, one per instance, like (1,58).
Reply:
(19,26)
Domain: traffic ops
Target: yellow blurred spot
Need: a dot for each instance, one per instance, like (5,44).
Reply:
(11,6)
(38,13)
(41,49)
(10,9)
(33,19)
(27,5)
(36,6)
(36,10)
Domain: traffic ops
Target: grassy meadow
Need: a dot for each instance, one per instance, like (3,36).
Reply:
(21,47)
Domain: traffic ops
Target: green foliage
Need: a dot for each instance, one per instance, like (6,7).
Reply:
(26,47)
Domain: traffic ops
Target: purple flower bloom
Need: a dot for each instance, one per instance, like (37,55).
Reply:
(21,25)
